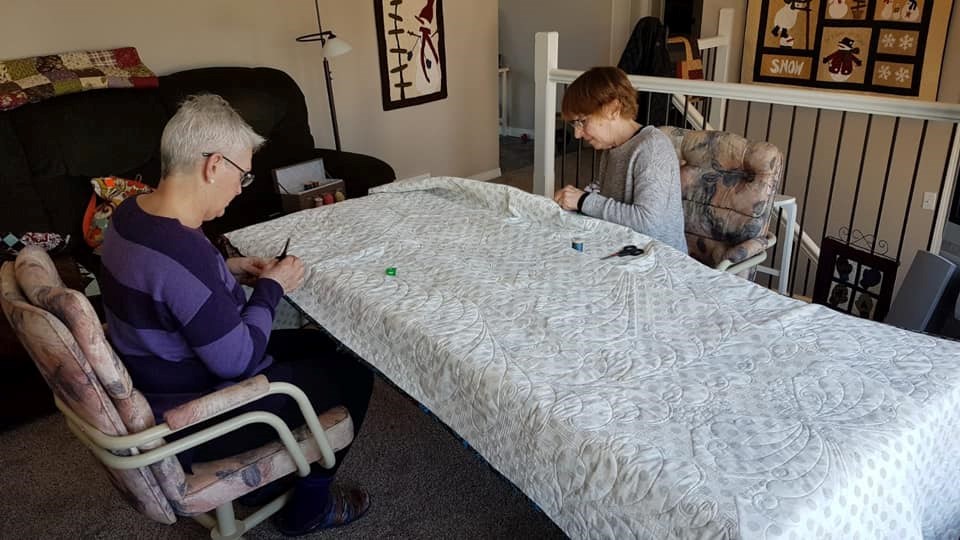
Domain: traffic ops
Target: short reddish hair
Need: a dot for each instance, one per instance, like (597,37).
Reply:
(597,87)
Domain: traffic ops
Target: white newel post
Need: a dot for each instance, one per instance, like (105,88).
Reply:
(546,108)
(946,197)
(722,67)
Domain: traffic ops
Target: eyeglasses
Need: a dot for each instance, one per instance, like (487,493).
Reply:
(246,179)
(579,123)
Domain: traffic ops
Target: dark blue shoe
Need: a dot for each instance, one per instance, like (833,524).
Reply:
(345,506)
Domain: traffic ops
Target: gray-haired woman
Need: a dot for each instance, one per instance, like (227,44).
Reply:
(183,326)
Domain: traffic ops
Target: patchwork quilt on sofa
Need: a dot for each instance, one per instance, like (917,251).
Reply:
(29,80)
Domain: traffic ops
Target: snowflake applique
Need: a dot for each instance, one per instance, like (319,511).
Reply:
(888,40)
(884,72)
(906,42)
(902,74)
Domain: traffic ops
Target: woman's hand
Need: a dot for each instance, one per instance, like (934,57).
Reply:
(568,197)
(287,272)
(246,269)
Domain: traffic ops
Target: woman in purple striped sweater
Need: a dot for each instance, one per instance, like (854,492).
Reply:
(182,324)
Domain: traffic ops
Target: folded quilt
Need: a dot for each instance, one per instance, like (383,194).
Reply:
(33,79)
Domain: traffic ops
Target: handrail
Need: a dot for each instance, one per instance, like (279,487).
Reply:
(816,99)
(550,77)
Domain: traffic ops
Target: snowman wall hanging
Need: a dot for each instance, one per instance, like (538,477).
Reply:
(887,47)
(843,59)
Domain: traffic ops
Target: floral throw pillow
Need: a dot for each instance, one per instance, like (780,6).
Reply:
(108,193)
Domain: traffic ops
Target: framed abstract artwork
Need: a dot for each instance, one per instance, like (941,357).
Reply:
(887,47)
(410,39)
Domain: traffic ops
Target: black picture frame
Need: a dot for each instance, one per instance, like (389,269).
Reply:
(408,29)
(854,281)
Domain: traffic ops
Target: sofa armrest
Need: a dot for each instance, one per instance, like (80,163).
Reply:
(210,405)
(359,172)
(746,250)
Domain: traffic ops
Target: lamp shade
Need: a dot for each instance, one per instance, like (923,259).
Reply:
(335,47)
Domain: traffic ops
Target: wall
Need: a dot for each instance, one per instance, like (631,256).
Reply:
(585,29)
(708,28)
(456,136)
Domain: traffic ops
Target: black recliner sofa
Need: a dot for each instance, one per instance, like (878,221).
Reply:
(50,150)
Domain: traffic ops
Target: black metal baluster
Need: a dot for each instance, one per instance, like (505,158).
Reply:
(913,186)
(563,157)
(856,191)
(746,121)
(593,167)
(886,181)
(576,181)
(646,119)
(833,177)
(667,109)
(726,114)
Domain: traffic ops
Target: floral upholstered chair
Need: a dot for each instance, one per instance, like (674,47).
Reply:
(728,184)
(91,387)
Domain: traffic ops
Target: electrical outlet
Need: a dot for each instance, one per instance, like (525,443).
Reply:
(929,200)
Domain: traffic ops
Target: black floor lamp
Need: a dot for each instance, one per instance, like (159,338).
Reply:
(332,46)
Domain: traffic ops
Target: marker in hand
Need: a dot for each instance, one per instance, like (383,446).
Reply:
(283,254)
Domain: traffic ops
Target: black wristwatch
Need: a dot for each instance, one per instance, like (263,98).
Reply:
(580,201)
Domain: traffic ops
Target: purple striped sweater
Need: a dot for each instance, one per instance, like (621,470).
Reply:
(176,316)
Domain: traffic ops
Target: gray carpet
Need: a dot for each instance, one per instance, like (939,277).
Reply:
(423,484)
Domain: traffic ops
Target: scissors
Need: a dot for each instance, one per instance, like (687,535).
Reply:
(626,251)
(283,254)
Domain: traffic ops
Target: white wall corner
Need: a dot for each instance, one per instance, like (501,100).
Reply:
(486,176)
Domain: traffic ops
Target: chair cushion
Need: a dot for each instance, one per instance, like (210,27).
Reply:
(65,368)
(215,482)
(727,184)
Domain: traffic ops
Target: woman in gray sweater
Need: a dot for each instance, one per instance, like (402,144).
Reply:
(638,185)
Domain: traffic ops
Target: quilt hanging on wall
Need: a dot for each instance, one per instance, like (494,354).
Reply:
(410,38)
(891,47)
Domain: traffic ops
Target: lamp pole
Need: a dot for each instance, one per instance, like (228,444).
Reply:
(326,76)
(333,108)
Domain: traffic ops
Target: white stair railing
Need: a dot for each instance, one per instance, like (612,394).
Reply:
(939,117)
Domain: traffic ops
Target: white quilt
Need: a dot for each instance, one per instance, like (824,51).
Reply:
(647,397)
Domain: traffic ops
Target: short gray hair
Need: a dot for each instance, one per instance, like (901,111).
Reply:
(204,123)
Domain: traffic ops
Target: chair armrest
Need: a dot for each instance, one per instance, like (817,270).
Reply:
(359,172)
(210,405)
(747,250)
(201,409)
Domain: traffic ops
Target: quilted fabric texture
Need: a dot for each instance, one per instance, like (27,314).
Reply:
(29,80)
(108,193)
(643,397)
(728,184)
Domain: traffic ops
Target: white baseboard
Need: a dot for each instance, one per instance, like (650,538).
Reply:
(517,132)
(487,175)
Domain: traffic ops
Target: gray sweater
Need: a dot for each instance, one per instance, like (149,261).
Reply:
(639,187)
